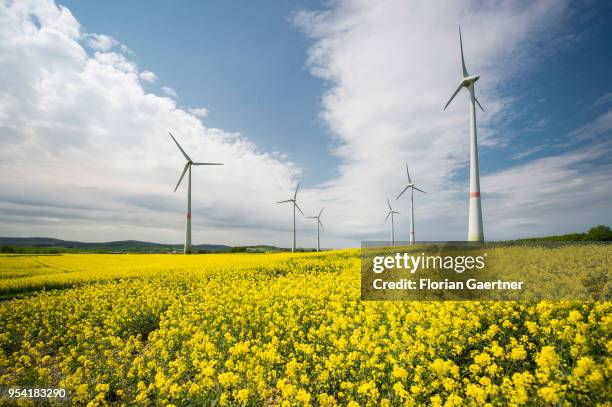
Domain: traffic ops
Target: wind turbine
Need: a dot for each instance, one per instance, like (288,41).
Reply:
(295,205)
(412,188)
(319,225)
(185,169)
(391,213)
(475,232)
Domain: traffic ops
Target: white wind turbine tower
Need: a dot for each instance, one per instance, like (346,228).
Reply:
(295,205)
(188,168)
(475,231)
(391,213)
(319,226)
(412,188)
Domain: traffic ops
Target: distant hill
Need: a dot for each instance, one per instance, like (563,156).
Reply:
(51,245)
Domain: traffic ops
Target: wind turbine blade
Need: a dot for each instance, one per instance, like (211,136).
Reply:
(419,189)
(297,206)
(296,191)
(389,203)
(321,224)
(465,73)
(389,214)
(404,190)
(479,105)
(182,175)
(180,148)
(208,164)
(452,97)
(312,217)
(321,212)
(288,200)
(408,173)
(396,212)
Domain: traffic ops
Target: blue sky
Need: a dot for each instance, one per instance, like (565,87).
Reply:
(560,91)
(337,96)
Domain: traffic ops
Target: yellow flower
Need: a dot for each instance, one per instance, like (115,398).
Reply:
(228,379)
(549,394)
(596,378)
(363,388)
(102,388)
(583,366)
(436,401)
(518,353)
(454,401)
(547,360)
(477,393)
(303,396)
(81,390)
(242,396)
(574,316)
(532,327)
(325,400)
(194,388)
(399,372)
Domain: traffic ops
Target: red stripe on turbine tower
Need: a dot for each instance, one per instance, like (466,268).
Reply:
(474,194)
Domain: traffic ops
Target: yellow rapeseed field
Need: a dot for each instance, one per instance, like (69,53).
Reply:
(282,329)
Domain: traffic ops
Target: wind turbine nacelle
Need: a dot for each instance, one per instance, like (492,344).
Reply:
(469,80)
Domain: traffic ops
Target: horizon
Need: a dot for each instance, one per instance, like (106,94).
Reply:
(397,243)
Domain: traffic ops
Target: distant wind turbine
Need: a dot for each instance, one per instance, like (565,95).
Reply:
(319,224)
(391,213)
(187,168)
(475,230)
(295,205)
(412,188)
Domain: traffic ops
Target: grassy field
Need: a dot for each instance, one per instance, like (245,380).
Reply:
(282,329)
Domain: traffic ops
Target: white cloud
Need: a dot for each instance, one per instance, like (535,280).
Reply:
(560,194)
(85,154)
(101,42)
(530,151)
(168,91)
(148,76)
(600,126)
(604,100)
(199,111)
(125,49)
(118,61)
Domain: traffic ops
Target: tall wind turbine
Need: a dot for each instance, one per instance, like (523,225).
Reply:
(187,168)
(412,188)
(475,232)
(319,226)
(295,205)
(391,213)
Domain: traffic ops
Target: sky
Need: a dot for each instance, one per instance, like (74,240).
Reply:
(336,95)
